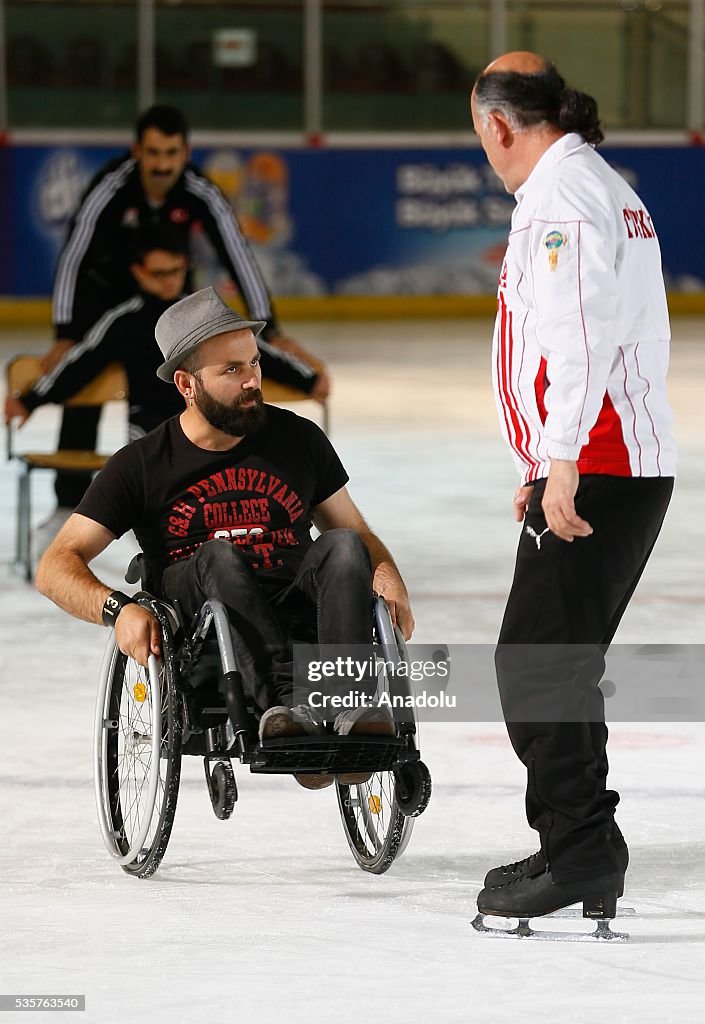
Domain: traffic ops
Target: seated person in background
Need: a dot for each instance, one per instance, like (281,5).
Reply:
(125,334)
(222,498)
(154,185)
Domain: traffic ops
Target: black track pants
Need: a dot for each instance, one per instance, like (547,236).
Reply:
(565,604)
(79,429)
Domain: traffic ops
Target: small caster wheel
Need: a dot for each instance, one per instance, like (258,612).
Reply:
(223,790)
(412,789)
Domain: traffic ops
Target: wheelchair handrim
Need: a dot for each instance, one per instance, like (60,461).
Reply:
(100,756)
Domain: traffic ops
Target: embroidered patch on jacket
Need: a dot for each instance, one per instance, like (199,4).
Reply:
(554,241)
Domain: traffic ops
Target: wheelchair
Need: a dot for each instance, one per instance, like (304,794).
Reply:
(191,701)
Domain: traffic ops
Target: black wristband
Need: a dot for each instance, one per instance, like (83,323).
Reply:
(114,604)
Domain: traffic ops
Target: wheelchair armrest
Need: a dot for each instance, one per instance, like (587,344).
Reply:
(149,575)
(135,569)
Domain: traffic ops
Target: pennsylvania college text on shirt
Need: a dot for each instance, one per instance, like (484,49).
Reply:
(259,495)
(582,335)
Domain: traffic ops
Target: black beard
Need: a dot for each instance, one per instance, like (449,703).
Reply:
(234,419)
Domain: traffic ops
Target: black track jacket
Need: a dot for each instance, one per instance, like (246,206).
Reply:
(125,334)
(93,272)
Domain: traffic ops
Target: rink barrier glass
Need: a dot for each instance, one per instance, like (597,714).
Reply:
(343,66)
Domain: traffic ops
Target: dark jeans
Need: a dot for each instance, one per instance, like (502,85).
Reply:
(330,599)
(565,604)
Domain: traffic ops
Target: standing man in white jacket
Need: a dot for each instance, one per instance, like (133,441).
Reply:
(580,357)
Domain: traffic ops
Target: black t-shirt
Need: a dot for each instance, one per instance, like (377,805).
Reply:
(259,494)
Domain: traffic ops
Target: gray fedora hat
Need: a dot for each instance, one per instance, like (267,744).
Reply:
(190,321)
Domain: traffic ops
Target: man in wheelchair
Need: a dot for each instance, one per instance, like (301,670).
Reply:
(222,499)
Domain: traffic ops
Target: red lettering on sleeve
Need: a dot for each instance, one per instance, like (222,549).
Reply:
(626,213)
(638,223)
(648,232)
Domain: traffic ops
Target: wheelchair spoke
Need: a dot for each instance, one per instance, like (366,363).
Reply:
(371,810)
(134,761)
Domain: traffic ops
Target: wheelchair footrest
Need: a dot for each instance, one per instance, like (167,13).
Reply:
(328,755)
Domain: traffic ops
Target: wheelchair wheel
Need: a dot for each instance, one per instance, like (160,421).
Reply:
(413,788)
(375,828)
(138,753)
(222,788)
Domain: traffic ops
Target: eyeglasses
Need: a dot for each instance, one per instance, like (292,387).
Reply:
(162,275)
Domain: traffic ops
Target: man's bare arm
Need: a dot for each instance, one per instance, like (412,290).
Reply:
(64,577)
(339,511)
(63,574)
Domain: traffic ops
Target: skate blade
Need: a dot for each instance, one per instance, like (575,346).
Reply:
(576,913)
(523,930)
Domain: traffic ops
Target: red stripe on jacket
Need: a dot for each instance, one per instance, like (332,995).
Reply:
(521,429)
(605,451)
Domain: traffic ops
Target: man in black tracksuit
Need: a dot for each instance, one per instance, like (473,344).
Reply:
(125,334)
(153,186)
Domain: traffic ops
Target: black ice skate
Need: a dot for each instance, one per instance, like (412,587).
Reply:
(536,864)
(528,867)
(538,896)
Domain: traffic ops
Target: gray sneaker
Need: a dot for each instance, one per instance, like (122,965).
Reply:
(282,721)
(298,721)
(365,722)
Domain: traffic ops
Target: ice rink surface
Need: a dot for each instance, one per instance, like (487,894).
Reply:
(267,916)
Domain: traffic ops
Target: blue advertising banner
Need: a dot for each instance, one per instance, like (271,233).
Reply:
(5,209)
(349,222)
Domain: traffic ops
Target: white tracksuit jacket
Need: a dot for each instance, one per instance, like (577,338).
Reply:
(581,340)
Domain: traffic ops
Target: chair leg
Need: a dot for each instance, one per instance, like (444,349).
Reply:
(28,529)
(22,549)
(18,523)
